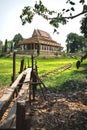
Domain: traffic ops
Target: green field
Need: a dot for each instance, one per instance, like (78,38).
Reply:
(44,65)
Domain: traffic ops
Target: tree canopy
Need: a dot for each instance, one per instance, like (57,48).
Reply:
(18,37)
(10,46)
(84,26)
(6,45)
(75,43)
(1,45)
(54,18)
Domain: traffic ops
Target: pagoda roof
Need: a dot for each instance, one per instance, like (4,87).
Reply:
(41,37)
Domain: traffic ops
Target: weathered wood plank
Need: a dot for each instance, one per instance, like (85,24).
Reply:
(25,87)
(16,82)
(7,96)
(62,68)
(7,123)
(21,97)
(22,93)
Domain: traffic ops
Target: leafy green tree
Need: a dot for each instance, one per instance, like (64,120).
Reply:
(61,17)
(17,38)
(72,42)
(1,45)
(75,43)
(10,45)
(6,46)
(84,32)
(67,46)
(2,49)
(82,43)
(84,26)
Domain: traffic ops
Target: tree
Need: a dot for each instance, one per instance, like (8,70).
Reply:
(82,43)
(60,17)
(1,45)
(75,43)
(17,38)
(84,26)
(10,45)
(5,46)
(84,30)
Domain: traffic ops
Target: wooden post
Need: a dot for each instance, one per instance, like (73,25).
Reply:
(22,66)
(33,77)
(34,85)
(20,116)
(28,63)
(14,67)
(36,66)
(32,60)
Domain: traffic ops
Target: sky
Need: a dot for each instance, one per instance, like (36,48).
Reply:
(10,22)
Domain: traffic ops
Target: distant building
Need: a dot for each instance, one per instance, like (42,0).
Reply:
(47,45)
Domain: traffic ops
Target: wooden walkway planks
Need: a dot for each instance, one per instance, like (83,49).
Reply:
(59,69)
(25,86)
(7,96)
(10,121)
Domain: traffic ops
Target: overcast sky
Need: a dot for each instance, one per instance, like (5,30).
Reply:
(10,22)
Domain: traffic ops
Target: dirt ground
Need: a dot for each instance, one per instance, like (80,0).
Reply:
(61,110)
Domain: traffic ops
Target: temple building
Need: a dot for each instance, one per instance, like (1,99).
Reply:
(46,44)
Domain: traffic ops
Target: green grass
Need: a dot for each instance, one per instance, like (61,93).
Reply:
(50,64)
(6,70)
(72,73)
(59,79)
(45,65)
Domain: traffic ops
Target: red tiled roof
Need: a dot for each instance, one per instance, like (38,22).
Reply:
(42,37)
(41,33)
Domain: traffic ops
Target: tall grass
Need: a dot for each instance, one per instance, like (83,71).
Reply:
(44,65)
(6,70)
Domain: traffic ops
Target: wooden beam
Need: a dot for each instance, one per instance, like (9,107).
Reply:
(8,95)
(22,96)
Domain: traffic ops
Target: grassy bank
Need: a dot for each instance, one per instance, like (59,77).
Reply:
(44,65)
(72,73)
